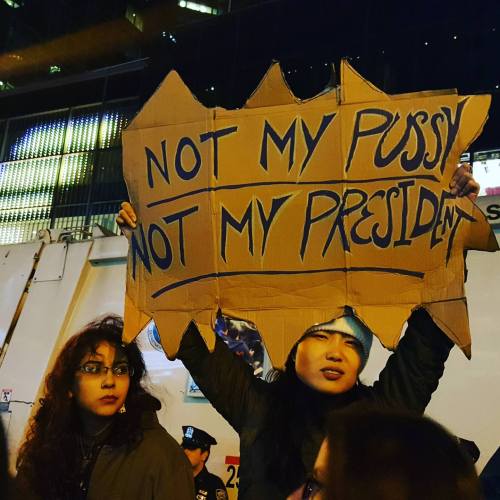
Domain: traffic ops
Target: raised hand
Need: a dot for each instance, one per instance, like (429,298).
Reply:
(463,184)
(127,218)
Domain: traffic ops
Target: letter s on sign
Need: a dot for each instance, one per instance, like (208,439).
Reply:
(493,212)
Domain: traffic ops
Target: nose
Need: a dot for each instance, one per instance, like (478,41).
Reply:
(109,379)
(334,348)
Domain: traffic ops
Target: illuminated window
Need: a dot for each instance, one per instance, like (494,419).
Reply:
(198,7)
(15,4)
(115,118)
(5,86)
(36,137)
(83,126)
(486,168)
(62,169)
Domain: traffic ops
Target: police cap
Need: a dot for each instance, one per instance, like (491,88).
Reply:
(193,438)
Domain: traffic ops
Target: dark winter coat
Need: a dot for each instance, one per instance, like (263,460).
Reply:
(407,382)
(155,469)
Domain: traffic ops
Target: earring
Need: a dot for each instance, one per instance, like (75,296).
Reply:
(122,409)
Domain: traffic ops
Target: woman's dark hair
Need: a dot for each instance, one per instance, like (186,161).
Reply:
(48,457)
(295,407)
(283,444)
(396,456)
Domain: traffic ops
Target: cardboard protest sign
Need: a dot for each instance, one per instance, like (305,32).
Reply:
(284,211)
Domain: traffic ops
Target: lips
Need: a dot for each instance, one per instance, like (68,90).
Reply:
(332,372)
(108,399)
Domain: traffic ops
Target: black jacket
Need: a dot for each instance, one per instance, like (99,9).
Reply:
(407,382)
(208,486)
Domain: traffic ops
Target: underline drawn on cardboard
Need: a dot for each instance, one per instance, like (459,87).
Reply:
(285,272)
(284,211)
(286,183)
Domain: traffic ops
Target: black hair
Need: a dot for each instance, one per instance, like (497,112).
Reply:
(396,456)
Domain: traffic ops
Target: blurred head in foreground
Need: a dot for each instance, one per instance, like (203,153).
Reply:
(390,456)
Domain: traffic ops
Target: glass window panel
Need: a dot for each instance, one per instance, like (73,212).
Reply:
(17,226)
(109,183)
(115,118)
(105,214)
(36,136)
(72,217)
(2,133)
(40,184)
(75,222)
(27,184)
(486,169)
(75,210)
(82,129)
(74,179)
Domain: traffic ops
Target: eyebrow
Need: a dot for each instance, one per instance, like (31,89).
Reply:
(117,359)
(330,332)
(350,336)
(93,354)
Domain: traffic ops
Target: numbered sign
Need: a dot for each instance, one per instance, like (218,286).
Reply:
(233,474)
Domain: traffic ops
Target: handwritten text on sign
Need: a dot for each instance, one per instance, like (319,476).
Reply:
(284,211)
(384,212)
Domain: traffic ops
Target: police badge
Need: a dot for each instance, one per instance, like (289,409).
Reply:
(220,495)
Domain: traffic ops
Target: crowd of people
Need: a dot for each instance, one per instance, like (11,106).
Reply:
(310,431)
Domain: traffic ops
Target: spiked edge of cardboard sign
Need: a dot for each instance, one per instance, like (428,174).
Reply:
(451,317)
(184,108)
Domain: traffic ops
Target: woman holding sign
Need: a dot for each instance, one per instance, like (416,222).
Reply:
(281,424)
(96,434)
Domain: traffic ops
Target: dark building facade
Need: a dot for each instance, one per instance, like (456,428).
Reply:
(74,73)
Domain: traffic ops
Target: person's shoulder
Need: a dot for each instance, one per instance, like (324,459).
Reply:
(159,437)
(216,481)
(217,486)
(159,442)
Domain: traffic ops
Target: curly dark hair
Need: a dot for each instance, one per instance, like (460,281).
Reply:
(48,458)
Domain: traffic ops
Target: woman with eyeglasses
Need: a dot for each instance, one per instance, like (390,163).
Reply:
(95,434)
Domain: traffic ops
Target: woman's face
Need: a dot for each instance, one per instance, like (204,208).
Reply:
(328,362)
(100,391)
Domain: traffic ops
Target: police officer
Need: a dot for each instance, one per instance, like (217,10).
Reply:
(196,444)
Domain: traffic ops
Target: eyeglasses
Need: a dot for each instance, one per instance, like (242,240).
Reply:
(97,369)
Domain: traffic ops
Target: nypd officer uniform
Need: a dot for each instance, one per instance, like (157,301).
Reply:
(207,486)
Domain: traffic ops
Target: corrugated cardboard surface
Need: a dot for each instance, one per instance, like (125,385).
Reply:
(294,209)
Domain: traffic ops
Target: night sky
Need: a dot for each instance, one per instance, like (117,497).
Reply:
(399,46)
